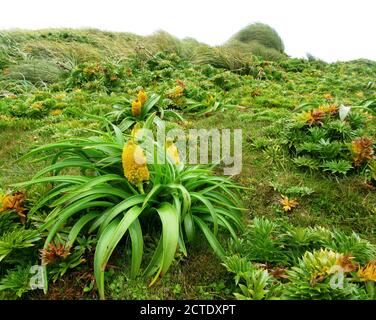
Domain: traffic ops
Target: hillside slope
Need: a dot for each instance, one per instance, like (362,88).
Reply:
(307,163)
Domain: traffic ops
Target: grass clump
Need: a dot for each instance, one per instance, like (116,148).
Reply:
(262,34)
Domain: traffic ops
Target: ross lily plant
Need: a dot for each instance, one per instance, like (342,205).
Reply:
(103,185)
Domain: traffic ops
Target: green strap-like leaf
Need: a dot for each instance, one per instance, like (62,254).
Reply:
(152,192)
(78,227)
(116,210)
(149,104)
(177,204)
(170,237)
(66,163)
(155,260)
(186,197)
(213,241)
(68,212)
(78,194)
(207,203)
(70,179)
(137,239)
(99,256)
(189,226)
(107,243)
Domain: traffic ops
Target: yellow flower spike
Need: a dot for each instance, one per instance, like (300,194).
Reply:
(135,130)
(136,108)
(288,204)
(368,273)
(172,151)
(134,163)
(142,96)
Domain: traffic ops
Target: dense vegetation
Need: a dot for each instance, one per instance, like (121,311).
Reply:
(297,223)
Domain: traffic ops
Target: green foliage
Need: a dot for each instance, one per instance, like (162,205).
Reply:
(254,283)
(235,58)
(352,245)
(264,247)
(8,221)
(257,49)
(16,282)
(123,117)
(260,33)
(15,240)
(306,162)
(293,190)
(96,77)
(295,65)
(311,279)
(77,256)
(298,263)
(317,138)
(371,173)
(340,166)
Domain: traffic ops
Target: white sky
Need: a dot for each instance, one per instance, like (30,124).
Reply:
(328,29)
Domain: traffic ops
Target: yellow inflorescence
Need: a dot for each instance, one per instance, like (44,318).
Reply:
(368,273)
(134,163)
(142,96)
(135,130)
(172,151)
(138,103)
(136,108)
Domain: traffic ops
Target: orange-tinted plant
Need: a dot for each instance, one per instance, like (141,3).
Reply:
(346,263)
(329,109)
(362,150)
(288,204)
(313,117)
(14,202)
(180,83)
(368,273)
(52,252)
(176,92)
